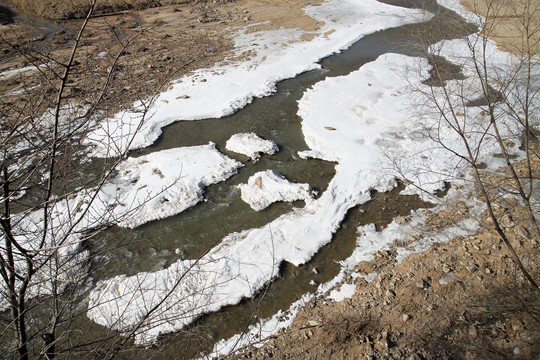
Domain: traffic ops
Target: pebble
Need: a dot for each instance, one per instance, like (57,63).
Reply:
(400,220)
(446,268)
(472,331)
(523,232)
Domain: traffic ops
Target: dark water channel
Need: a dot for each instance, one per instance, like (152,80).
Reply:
(187,235)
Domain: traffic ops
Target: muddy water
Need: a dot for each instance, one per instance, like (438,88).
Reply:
(186,236)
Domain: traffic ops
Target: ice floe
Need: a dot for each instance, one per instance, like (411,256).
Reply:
(251,145)
(165,183)
(267,187)
(146,188)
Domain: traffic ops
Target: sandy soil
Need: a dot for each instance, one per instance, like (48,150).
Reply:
(507,21)
(463,299)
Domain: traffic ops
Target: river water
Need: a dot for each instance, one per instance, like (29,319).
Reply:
(189,234)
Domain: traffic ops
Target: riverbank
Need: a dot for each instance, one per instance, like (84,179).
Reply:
(149,48)
(406,286)
(463,298)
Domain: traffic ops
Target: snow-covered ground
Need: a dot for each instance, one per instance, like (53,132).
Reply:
(368,122)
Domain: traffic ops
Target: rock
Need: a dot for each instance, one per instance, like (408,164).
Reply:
(258,182)
(313,323)
(182,97)
(405,317)
(472,330)
(462,207)
(447,278)
(427,283)
(446,268)
(523,232)
(507,220)
(400,220)
(329,128)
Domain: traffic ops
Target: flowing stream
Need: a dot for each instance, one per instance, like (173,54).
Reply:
(189,234)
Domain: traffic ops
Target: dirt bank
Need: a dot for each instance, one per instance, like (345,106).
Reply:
(145,49)
(514,25)
(463,299)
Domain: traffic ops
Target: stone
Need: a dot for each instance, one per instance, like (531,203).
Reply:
(523,232)
(472,330)
(446,268)
(400,220)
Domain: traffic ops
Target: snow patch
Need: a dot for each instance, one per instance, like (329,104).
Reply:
(251,145)
(267,187)
(345,291)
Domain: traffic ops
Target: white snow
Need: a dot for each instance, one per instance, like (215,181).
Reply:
(245,261)
(9,73)
(373,119)
(164,183)
(267,187)
(251,145)
(345,291)
(227,87)
(146,188)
